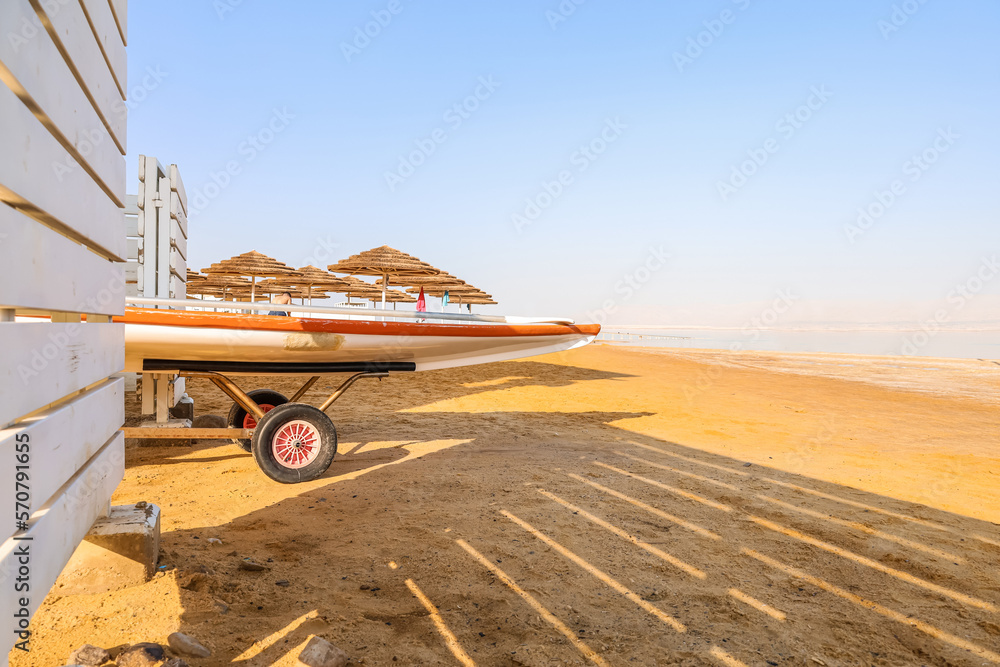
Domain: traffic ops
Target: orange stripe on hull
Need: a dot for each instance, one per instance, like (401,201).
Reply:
(271,323)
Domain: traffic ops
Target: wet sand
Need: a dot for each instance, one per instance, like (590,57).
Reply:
(608,505)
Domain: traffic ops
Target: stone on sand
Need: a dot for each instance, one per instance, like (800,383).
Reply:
(209,421)
(145,654)
(187,645)
(321,653)
(89,655)
(250,566)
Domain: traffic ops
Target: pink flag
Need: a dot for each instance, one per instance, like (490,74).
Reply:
(421,302)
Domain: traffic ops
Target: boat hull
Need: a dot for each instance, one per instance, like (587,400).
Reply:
(164,341)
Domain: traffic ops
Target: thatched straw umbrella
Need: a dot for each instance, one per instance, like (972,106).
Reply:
(435,290)
(352,284)
(315,294)
(399,297)
(295,293)
(364,293)
(312,277)
(385,262)
(201,288)
(391,296)
(217,286)
(439,285)
(253,265)
(469,301)
(442,279)
(352,287)
(271,286)
(279,286)
(192,280)
(461,293)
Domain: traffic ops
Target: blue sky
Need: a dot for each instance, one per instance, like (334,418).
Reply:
(333,115)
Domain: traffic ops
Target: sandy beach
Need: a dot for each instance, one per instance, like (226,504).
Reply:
(610,505)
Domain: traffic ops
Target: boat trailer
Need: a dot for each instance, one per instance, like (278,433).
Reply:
(290,441)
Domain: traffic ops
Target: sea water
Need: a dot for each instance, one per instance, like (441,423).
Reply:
(919,343)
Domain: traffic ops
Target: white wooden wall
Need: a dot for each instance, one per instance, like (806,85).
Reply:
(157,226)
(62,230)
(156,221)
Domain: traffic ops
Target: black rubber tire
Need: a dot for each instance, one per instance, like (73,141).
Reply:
(269,426)
(237,414)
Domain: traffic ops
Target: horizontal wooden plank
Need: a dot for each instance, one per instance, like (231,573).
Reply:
(131,381)
(119,8)
(177,186)
(74,206)
(131,223)
(133,249)
(131,205)
(58,528)
(178,239)
(37,72)
(72,34)
(53,272)
(178,288)
(161,433)
(51,360)
(178,265)
(102,22)
(59,441)
(177,213)
(131,273)
(147,165)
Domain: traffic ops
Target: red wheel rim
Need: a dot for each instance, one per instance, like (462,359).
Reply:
(250,422)
(296,444)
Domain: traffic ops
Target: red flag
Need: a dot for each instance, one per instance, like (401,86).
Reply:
(421,302)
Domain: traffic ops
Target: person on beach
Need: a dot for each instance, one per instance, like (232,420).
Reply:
(281,299)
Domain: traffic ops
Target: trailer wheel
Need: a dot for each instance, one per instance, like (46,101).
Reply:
(294,442)
(267,399)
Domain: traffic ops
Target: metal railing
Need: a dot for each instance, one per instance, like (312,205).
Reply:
(188,304)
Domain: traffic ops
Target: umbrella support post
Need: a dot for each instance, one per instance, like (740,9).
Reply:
(347,385)
(385,286)
(303,389)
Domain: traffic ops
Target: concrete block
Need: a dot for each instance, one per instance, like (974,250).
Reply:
(184,409)
(120,550)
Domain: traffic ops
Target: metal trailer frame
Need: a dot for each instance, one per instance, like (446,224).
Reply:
(240,397)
